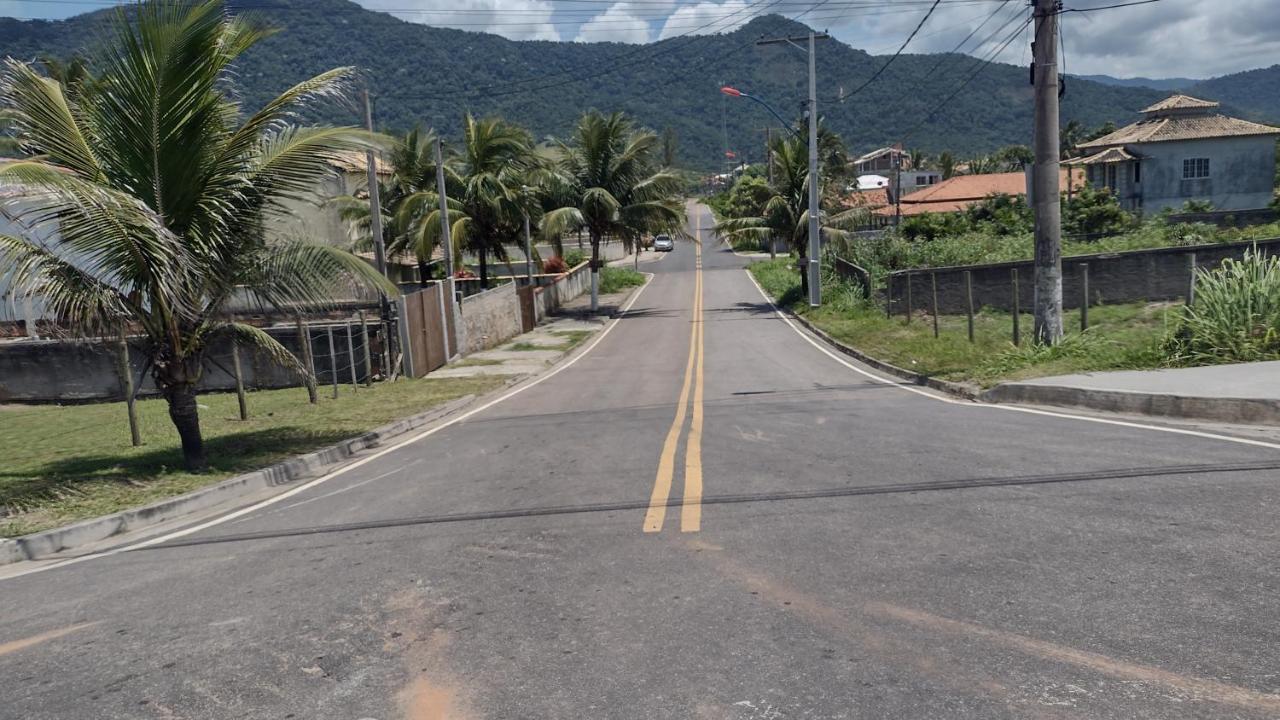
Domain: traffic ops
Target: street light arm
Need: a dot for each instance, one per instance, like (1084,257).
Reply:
(766,105)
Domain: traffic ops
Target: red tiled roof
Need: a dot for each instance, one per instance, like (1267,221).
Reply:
(870,199)
(959,192)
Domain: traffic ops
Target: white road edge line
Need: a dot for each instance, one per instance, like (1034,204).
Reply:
(343,470)
(993,406)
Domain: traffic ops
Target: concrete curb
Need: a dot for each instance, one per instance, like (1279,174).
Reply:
(967,392)
(1237,411)
(312,464)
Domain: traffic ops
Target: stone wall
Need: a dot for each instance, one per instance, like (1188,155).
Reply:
(490,318)
(40,371)
(1150,275)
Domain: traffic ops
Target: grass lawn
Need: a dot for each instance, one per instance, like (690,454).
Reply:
(1126,336)
(68,463)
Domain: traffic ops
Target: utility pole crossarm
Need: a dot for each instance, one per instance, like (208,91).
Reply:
(792,39)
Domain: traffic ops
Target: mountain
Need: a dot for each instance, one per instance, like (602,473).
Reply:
(431,76)
(1256,93)
(1167,84)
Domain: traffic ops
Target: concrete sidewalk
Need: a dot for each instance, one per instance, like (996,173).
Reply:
(1245,393)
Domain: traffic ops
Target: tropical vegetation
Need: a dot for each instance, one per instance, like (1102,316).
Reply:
(610,182)
(149,205)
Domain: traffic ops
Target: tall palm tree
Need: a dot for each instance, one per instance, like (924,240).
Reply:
(487,184)
(785,215)
(158,196)
(413,170)
(610,174)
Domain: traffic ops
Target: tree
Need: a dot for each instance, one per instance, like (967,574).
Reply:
(947,164)
(413,170)
(1102,130)
(158,198)
(1072,134)
(1012,158)
(918,159)
(785,214)
(670,143)
(609,173)
(748,196)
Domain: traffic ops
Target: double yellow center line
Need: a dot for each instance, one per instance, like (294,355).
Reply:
(691,508)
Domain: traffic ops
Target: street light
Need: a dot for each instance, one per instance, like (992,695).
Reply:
(735,92)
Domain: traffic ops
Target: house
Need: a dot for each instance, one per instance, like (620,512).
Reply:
(310,218)
(882,161)
(1183,149)
(958,193)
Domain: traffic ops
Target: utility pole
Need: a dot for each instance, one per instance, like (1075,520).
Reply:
(815,239)
(1044,175)
(375,205)
(446,243)
(768,153)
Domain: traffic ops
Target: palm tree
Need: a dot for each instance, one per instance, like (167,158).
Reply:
(413,170)
(159,197)
(947,164)
(609,174)
(786,212)
(487,187)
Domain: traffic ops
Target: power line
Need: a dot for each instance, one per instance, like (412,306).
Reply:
(1107,7)
(982,66)
(889,62)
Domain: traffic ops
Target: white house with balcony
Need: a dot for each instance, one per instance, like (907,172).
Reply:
(1184,149)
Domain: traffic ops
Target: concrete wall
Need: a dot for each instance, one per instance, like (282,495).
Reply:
(65,371)
(1241,173)
(1160,274)
(490,318)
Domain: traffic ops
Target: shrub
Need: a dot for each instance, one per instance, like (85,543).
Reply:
(463,274)
(1235,316)
(554,265)
(574,258)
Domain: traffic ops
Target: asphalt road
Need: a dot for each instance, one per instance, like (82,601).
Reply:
(806,542)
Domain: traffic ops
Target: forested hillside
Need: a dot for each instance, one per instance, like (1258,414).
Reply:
(430,76)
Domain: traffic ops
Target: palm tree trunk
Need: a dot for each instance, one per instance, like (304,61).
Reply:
(595,272)
(424,273)
(484,267)
(186,418)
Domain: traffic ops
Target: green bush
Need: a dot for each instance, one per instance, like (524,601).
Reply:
(1235,316)
(574,258)
(616,279)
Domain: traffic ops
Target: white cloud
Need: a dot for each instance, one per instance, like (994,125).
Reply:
(622,22)
(703,18)
(1174,38)
(515,19)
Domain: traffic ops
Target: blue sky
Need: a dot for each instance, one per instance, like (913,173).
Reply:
(1185,38)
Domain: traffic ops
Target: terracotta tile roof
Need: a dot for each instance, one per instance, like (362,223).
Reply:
(1180,102)
(1180,117)
(959,192)
(1110,155)
(870,199)
(355,162)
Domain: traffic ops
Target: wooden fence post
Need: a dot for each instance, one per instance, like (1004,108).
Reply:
(351,356)
(909,308)
(308,361)
(126,381)
(933,286)
(1017,308)
(1191,277)
(968,292)
(888,295)
(1084,296)
(333,362)
(239,373)
(368,358)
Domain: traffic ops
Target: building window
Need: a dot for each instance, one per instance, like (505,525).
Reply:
(1111,176)
(1195,168)
(1137,172)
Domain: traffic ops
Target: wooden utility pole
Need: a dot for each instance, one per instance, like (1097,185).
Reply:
(375,204)
(125,368)
(446,242)
(1044,176)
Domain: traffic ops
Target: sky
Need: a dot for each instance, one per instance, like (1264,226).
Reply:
(1160,39)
